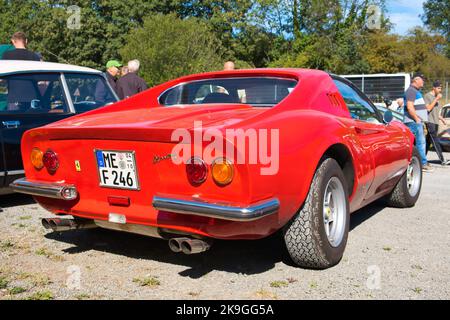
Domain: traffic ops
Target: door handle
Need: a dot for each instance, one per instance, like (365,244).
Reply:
(11,124)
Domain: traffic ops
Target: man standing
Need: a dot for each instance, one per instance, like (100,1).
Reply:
(112,71)
(432,101)
(20,52)
(131,84)
(416,114)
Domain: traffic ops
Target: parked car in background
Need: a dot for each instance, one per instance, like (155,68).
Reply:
(33,94)
(118,167)
(444,130)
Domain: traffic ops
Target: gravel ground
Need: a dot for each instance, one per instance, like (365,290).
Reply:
(391,254)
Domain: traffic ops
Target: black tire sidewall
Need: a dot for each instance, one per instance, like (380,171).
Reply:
(332,255)
(411,200)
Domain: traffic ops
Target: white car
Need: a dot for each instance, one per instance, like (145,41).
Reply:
(33,94)
(444,130)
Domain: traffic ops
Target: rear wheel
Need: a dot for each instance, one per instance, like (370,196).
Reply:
(317,236)
(407,191)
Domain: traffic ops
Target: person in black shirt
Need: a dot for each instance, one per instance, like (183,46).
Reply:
(131,84)
(20,41)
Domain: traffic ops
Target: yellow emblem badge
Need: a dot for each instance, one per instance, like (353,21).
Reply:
(78,166)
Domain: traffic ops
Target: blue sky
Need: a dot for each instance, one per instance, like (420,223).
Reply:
(404,14)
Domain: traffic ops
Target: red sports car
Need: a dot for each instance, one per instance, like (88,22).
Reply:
(226,155)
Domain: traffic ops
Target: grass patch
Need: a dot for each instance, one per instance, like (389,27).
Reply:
(39,280)
(147,281)
(417,290)
(43,252)
(278,284)
(263,294)
(7,244)
(16,290)
(3,283)
(25,218)
(385,248)
(82,296)
(194,294)
(313,285)
(41,295)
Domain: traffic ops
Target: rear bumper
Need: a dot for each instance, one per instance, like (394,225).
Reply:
(223,211)
(219,211)
(44,189)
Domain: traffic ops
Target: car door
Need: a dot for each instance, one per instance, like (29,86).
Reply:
(32,100)
(384,143)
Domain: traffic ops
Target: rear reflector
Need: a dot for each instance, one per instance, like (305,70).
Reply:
(119,201)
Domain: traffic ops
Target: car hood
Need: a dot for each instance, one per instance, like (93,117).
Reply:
(152,124)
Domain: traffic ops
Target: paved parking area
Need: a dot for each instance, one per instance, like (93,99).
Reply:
(391,254)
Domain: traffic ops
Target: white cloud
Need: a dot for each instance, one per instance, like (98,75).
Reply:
(404,22)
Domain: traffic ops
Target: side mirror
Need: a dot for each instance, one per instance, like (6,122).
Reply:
(388,116)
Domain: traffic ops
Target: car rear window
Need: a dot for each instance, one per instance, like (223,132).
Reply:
(255,91)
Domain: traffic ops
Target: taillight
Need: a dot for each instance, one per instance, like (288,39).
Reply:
(222,171)
(37,158)
(50,160)
(196,171)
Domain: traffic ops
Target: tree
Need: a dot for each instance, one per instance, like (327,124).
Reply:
(437,17)
(169,47)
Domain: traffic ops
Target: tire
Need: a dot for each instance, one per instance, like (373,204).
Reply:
(305,236)
(407,191)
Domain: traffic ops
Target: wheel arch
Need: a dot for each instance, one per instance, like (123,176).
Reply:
(343,157)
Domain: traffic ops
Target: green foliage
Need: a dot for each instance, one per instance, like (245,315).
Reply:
(178,37)
(169,47)
(437,17)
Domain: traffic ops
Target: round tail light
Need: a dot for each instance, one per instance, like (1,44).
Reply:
(37,158)
(50,160)
(196,171)
(222,172)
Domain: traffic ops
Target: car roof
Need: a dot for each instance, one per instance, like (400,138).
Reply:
(20,66)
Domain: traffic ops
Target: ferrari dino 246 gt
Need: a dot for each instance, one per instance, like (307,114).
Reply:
(155,164)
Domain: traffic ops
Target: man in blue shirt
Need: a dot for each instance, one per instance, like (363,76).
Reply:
(416,114)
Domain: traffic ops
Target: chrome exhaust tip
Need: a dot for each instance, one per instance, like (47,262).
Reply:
(59,225)
(195,246)
(175,244)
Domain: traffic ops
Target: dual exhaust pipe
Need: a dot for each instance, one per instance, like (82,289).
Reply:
(189,246)
(59,225)
(185,245)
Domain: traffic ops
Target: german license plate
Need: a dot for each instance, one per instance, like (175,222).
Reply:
(117,169)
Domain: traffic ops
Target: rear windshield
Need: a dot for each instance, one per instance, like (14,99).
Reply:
(255,91)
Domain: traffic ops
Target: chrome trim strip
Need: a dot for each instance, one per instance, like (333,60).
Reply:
(15,172)
(219,211)
(43,189)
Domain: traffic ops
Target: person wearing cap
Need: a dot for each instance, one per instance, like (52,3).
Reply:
(432,99)
(416,114)
(112,71)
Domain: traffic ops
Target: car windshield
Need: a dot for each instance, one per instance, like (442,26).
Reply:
(255,91)
(45,93)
